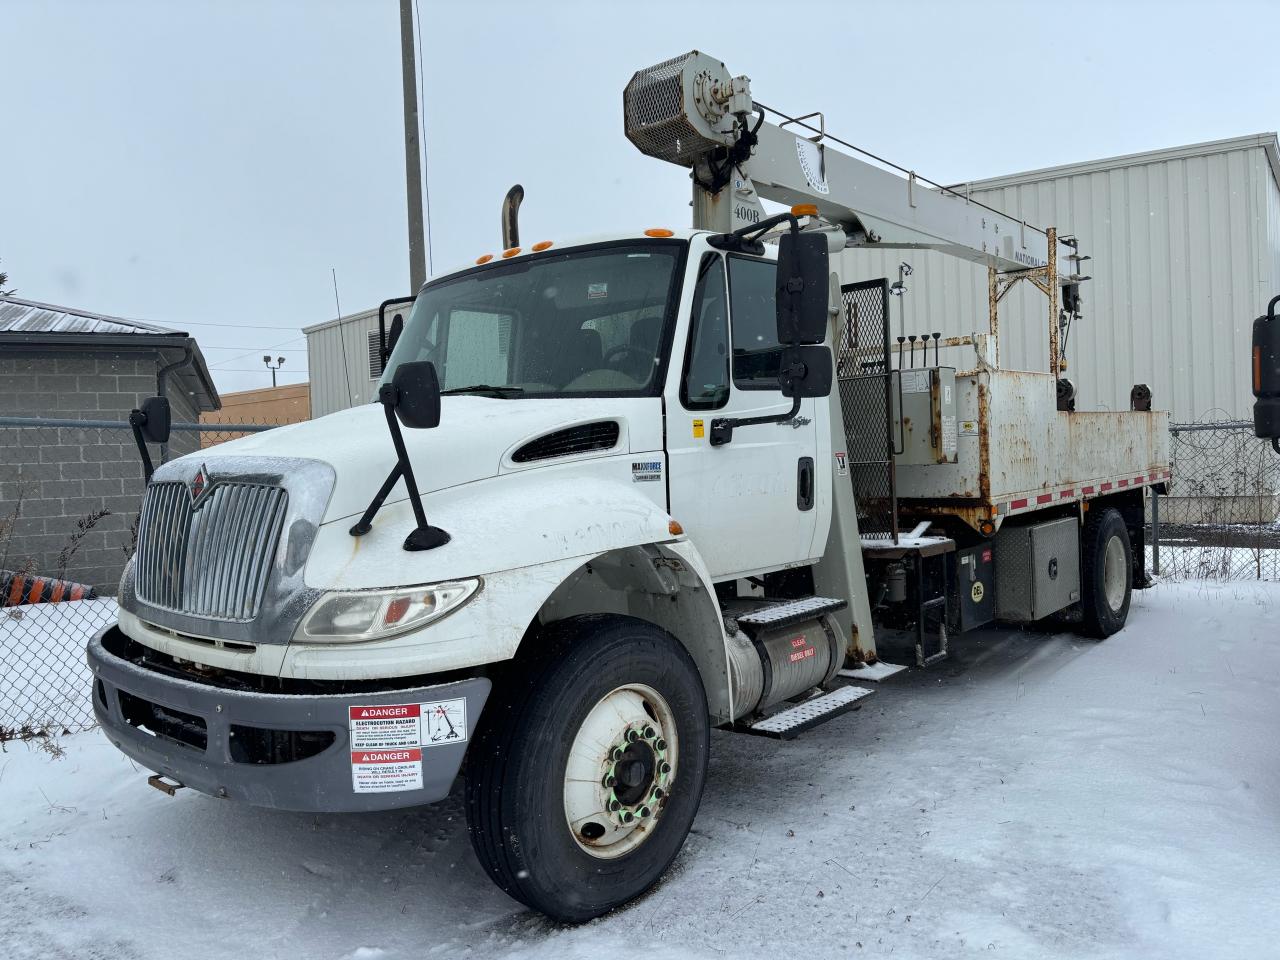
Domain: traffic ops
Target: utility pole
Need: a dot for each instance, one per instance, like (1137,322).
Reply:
(412,159)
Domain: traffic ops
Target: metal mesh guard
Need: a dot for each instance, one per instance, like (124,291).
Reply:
(656,118)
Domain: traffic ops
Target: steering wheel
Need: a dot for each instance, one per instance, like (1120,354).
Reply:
(643,357)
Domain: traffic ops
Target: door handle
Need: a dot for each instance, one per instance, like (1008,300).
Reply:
(804,484)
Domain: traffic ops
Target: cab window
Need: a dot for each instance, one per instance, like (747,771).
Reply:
(706,367)
(757,355)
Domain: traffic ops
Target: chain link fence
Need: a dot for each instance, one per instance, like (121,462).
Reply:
(1221,517)
(70,491)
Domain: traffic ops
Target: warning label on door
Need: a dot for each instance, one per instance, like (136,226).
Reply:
(387,741)
(382,771)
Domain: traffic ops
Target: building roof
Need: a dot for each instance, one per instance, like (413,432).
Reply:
(370,314)
(45,326)
(1266,141)
(31,316)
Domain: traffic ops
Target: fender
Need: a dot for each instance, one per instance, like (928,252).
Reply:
(568,527)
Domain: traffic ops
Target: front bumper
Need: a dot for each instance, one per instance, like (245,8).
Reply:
(282,750)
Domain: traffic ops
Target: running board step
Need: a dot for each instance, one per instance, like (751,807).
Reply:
(872,672)
(790,611)
(790,723)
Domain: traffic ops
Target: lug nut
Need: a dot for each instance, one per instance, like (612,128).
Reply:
(632,736)
(661,744)
(628,817)
(609,780)
(649,732)
(615,805)
(658,793)
(645,812)
(664,767)
(615,754)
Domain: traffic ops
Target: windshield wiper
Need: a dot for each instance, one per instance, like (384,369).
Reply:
(486,389)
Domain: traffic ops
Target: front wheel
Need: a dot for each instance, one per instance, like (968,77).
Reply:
(1106,570)
(588,767)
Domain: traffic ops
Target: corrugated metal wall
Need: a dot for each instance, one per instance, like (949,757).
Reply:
(1186,252)
(339,363)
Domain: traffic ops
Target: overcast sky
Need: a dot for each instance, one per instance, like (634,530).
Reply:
(204,165)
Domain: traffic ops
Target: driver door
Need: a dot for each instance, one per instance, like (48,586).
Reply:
(748,505)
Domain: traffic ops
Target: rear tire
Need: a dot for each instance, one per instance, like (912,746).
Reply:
(1106,573)
(533,766)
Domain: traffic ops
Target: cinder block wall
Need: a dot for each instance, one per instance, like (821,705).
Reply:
(56,477)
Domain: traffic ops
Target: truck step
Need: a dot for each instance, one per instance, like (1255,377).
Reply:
(790,723)
(872,672)
(790,611)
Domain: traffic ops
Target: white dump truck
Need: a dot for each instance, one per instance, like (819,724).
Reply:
(615,493)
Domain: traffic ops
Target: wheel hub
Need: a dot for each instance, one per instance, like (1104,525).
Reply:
(620,771)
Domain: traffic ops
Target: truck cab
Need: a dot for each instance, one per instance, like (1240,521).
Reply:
(266,652)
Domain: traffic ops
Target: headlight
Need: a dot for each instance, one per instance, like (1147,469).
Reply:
(374,614)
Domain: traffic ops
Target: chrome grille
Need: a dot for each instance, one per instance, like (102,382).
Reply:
(211,561)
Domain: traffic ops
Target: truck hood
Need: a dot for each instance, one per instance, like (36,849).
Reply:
(474,441)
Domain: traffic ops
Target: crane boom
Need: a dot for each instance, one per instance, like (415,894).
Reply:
(689,110)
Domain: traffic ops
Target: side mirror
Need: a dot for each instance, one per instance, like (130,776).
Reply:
(1266,374)
(803,271)
(806,372)
(414,392)
(155,419)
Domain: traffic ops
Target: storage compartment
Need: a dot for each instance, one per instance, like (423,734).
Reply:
(1037,569)
(973,597)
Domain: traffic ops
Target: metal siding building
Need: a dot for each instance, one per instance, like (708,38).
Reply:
(1186,252)
(342,362)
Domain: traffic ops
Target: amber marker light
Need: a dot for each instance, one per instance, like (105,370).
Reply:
(804,210)
(659,232)
(541,245)
(510,252)
(674,528)
(485,259)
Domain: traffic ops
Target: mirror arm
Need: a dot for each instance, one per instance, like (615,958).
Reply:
(743,239)
(423,536)
(722,427)
(365,523)
(136,420)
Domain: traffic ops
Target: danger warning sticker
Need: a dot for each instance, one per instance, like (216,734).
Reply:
(387,741)
(381,771)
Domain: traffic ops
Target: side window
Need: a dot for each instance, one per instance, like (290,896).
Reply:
(757,355)
(706,366)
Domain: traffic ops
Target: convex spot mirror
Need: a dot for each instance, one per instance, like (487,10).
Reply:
(806,372)
(155,419)
(803,272)
(414,392)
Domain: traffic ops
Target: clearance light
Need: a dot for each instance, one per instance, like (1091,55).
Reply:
(541,245)
(659,232)
(804,210)
(674,528)
(510,252)
(374,614)
(485,259)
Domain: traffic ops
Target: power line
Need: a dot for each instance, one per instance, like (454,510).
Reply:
(235,326)
(282,349)
(252,352)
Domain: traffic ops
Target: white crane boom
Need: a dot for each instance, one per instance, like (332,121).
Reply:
(690,111)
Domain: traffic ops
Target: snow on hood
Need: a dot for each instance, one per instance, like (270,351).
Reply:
(474,436)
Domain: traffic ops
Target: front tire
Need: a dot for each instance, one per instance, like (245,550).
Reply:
(588,767)
(1106,572)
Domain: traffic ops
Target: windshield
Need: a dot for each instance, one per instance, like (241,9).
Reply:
(586,322)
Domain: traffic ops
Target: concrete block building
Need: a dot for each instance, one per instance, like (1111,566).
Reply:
(66,363)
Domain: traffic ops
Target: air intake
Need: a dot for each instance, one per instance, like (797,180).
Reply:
(583,438)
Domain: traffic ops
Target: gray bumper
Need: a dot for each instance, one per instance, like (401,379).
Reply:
(204,752)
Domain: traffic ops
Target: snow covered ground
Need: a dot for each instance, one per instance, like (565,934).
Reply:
(1037,796)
